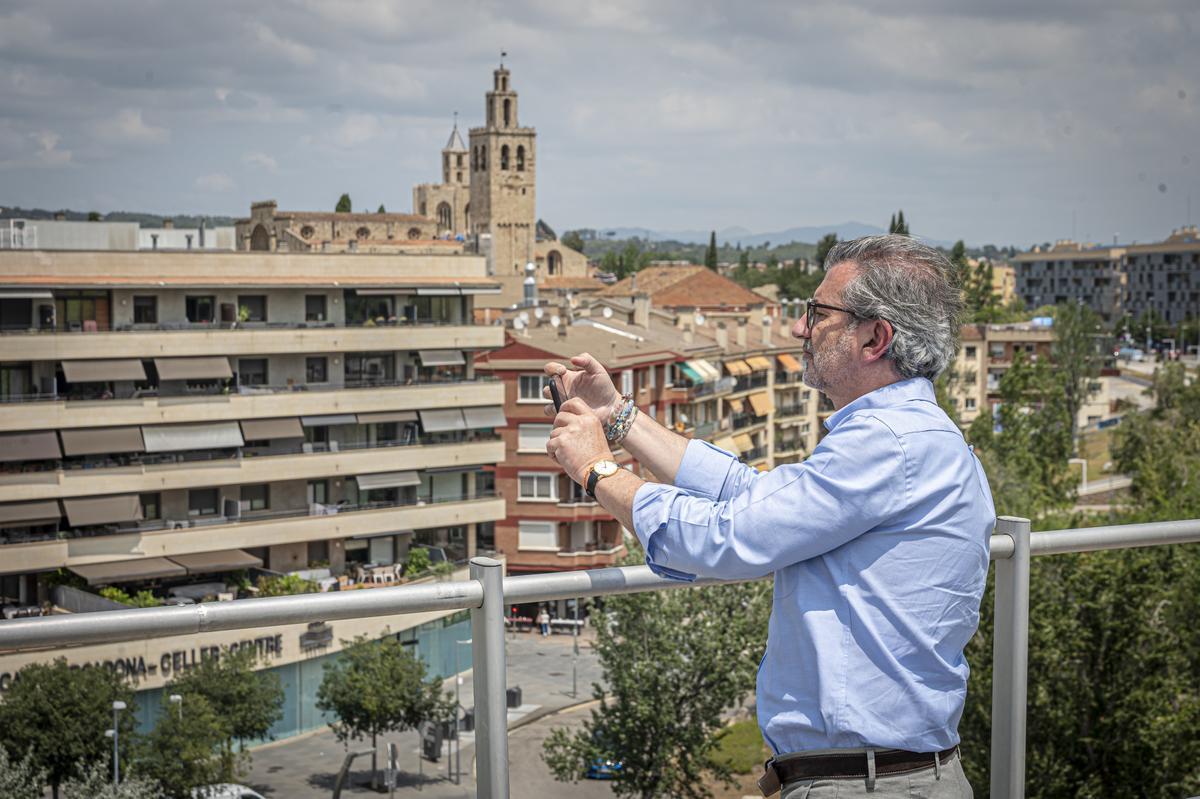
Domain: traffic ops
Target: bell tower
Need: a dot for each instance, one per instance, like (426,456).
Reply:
(502,178)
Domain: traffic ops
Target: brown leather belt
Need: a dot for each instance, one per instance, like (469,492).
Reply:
(852,765)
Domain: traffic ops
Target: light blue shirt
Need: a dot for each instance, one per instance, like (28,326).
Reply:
(879,545)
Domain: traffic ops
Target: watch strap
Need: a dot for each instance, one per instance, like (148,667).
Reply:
(589,485)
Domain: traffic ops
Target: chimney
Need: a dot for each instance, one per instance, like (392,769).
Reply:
(530,284)
(168,224)
(687,335)
(189,240)
(154,241)
(766,330)
(741,333)
(722,336)
(641,310)
(202,234)
(633,282)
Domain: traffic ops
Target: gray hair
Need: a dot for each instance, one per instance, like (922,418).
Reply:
(911,285)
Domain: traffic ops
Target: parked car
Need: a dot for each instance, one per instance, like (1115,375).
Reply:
(1131,354)
(225,791)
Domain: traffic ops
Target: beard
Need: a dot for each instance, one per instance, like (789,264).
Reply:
(827,366)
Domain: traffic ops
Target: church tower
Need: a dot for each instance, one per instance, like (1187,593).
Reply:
(502,179)
(455,169)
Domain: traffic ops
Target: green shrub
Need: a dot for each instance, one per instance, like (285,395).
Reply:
(286,585)
(417,563)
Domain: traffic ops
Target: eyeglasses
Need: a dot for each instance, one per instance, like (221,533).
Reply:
(810,311)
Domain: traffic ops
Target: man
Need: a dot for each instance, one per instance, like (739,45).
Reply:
(878,541)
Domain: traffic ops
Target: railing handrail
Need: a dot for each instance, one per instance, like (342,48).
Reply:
(486,596)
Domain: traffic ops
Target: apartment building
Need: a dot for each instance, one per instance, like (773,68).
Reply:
(166,416)
(1071,272)
(1164,277)
(969,380)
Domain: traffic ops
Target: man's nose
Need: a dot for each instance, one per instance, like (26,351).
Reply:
(800,329)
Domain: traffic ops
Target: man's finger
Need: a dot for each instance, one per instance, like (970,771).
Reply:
(576,405)
(554,368)
(586,362)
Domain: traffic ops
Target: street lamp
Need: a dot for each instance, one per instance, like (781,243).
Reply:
(117,707)
(177,700)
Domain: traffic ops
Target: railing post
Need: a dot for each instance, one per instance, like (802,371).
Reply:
(488,675)
(1010,663)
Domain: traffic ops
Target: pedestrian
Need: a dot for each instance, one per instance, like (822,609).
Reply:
(543,620)
(878,541)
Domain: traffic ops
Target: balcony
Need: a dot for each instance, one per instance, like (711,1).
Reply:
(264,339)
(211,470)
(789,378)
(695,391)
(750,382)
(741,421)
(784,410)
(269,528)
(45,412)
(753,455)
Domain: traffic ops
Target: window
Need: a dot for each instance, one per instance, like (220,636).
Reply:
(533,437)
(540,486)
(537,535)
(504,156)
(316,370)
(200,309)
(307,231)
(531,388)
(363,233)
(202,502)
(414,233)
(145,310)
(970,403)
(366,368)
(627,381)
(252,372)
(318,491)
(653,411)
(653,376)
(315,307)
(253,307)
(445,216)
(256,497)
(520,158)
(151,505)
(970,352)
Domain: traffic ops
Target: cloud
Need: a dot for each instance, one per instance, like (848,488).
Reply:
(357,129)
(261,160)
(215,182)
(129,127)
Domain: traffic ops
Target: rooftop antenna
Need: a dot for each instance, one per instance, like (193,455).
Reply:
(503,55)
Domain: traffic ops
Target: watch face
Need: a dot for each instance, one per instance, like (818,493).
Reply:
(606,468)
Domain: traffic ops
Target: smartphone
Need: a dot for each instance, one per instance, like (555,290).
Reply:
(558,392)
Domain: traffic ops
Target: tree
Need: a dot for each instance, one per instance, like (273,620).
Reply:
(378,687)
(674,662)
(93,216)
(184,750)
(249,702)
(827,243)
(95,782)
(1077,357)
(344,206)
(20,779)
(710,255)
(744,261)
(381,209)
(58,715)
(573,240)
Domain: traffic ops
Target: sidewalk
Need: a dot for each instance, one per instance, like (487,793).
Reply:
(306,766)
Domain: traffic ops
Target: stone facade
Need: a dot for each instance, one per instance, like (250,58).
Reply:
(448,203)
(269,229)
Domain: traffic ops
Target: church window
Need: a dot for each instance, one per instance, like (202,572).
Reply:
(520,158)
(445,217)
(362,233)
(307,232)
(458,176)
(458,161)
(483,158)
(554,262)
(474,159)
(504,158)
(507,112)
(260,239)
(414,233)
(424,211)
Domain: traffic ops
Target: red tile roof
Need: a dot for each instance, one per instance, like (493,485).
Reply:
(686,286)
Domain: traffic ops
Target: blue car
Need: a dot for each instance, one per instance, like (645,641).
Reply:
(601,769)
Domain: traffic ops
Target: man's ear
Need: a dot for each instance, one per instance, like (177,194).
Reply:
(880,333)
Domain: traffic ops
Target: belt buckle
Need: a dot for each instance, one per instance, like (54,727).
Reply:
(769,782)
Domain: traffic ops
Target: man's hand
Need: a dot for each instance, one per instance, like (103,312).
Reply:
(590,383)
(577,440)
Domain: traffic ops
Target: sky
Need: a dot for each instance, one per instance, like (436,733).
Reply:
(997,122)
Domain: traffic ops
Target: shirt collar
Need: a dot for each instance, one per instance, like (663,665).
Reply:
(889,396)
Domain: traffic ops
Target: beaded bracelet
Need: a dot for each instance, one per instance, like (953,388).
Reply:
(625,426)
(618,416)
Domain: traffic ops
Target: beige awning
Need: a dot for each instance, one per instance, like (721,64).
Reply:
(125,571)
(726,443)
(442,421)
(737,367)
(441,357)
(387,416)
(480,418)
(227,560)
(789,363)
(19,514)
(743,443)
(367,482)
(100,440)
(207,368)
(29,446)
(103,371)
(761,403)
(267,429)
(758,363)
(180,437)
(103,510)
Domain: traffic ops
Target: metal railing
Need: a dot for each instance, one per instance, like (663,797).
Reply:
(488,592)
(185,326)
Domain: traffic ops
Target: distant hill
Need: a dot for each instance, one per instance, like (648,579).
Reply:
(143,219)
(732,236)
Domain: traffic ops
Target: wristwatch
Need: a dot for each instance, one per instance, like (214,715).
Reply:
(598,470)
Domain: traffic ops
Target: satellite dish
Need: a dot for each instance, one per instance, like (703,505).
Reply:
(524,316)
(699,318)
(607,313)
(518,324)
(539,312)
(555,320)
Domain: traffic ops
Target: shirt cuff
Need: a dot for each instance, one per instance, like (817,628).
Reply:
(651,512)
(704,469)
